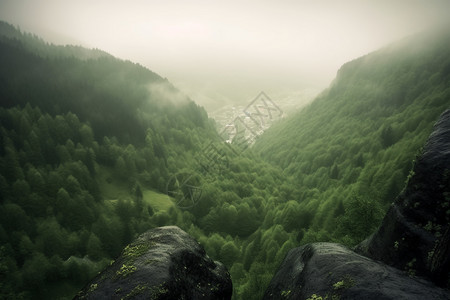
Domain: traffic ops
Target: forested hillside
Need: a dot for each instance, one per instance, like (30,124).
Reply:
(91,148)
(89,145)
(351,150)
(80,134)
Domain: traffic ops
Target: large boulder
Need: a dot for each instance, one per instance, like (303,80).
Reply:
(332,271)
(414,235)
(163,263)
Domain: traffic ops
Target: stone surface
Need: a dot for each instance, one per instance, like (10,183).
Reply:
(163,263)
(336,272)
(414,235)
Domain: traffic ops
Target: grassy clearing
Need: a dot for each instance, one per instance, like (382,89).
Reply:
(113,189)
(157,200)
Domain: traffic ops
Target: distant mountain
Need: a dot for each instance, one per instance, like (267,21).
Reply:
(38,46)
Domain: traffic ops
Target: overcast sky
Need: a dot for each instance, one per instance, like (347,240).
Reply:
(230,49)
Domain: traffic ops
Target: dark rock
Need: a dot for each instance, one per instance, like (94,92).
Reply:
(163,263)
(414,235)
(332,271)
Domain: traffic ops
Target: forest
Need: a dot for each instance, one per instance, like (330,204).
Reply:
(90,146)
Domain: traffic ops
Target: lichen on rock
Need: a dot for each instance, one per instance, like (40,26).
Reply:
(163,263)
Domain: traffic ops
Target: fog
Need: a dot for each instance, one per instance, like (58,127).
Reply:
(228,51)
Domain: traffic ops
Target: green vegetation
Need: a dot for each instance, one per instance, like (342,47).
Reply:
(315,297)
(92,288)
(89,143)
(336,291)
(156,292)
(350,151)
(285,293)
(139,289)
(132,252)
(125,270)
(343,284)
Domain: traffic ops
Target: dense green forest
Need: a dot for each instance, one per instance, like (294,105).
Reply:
(90,145)
(353,147)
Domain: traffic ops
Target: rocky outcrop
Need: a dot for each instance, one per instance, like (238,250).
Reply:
(332,271)
(163,263)
(413,240)
(414,235)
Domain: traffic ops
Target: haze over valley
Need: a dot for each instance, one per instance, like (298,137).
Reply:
(226,53)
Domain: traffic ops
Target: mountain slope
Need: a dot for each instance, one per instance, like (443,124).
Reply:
(353,146)
(87,144)
(118,98)
(95,150)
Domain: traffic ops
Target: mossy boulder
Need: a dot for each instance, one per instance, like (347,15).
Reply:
(332,271)
(163,263)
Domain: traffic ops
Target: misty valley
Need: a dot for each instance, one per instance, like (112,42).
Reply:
(108,171)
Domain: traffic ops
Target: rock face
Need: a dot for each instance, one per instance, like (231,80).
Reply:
(163,263)
(414,238)
(414,235)
(334,271)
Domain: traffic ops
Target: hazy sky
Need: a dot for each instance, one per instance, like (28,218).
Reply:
(230,49)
